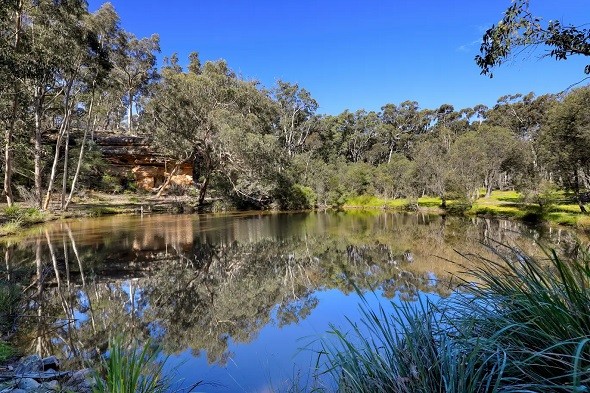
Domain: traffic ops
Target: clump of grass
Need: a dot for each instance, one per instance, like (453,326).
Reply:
(11,227)
(6,351)
(538,312)
(29,215)
(495,210)
(410,350)
(132,370)
(524,327)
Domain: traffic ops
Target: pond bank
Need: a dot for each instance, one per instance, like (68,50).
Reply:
(21,216)
(501,204)
(32,374)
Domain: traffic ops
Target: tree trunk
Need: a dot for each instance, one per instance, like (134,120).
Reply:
(168,179)
(8,148)
(577,190)
(130,111)
(89,124)
(488,187)
(203,190)
(62,131)
(64,183)
(38,146)
(8,158)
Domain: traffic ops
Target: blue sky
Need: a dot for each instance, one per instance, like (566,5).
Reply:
(357,54)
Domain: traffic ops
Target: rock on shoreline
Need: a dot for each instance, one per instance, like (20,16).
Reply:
(32,374)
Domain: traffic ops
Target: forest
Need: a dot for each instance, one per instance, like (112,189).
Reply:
(68,73)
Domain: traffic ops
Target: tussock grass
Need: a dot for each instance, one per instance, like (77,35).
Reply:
(132,370)
(525,327)
(6,351)
(410,350)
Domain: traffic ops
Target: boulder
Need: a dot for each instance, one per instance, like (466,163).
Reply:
(81,381)
(29,364)
(50,386)
(28,384)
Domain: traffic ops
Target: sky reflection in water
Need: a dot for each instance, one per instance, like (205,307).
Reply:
(234,299)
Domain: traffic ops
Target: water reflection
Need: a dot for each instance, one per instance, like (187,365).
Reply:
(207,283)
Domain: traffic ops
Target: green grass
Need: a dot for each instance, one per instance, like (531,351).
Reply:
(374,202)
(11,227)
(525,327)
(29,215)
(6,351)
(370,201)
(132,370)
(14,218)
(409,350)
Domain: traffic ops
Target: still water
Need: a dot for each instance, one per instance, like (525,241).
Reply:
(238,301)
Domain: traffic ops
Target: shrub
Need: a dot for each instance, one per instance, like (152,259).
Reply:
(299,198)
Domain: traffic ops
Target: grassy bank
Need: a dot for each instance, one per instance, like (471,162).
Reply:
(501,204)
(15,219)
(524,328)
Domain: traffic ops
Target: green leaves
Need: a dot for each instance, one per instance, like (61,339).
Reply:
(519,29)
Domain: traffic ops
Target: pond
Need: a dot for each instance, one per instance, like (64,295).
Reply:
(238,301)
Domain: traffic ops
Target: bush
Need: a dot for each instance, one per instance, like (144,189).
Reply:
(299,198)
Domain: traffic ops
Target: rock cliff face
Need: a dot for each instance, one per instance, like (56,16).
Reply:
(132,156)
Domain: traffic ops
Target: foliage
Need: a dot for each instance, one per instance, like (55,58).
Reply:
(299,198)
(520,29)
(545,195)
(72,73)
(565,139)
(132,370)
(6,351)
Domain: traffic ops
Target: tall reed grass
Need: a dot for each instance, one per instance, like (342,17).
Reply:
(132,370)
(524,327)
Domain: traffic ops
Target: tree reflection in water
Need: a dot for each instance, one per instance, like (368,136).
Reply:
(201,282)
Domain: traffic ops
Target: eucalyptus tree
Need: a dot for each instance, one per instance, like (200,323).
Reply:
(433,167)
(565,142)
(103,26)
(297,109)
(223,124)
(48,44)
(134,63)
(12,58)
(520,29)
(402,124)
(359,131)
(78,51)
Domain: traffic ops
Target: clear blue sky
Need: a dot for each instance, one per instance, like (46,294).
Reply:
(357,54)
